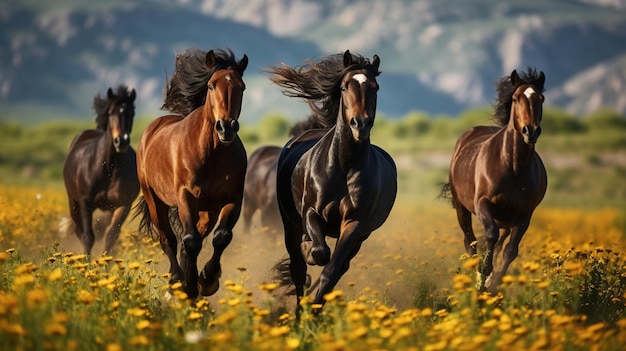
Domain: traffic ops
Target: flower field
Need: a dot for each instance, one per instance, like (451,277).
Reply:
(410,288)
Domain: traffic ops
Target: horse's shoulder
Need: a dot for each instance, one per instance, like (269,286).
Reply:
(308,135)
(385,155)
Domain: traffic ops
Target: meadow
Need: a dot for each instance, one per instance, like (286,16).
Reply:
(411,287)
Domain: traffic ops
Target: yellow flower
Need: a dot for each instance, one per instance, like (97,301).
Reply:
(134,265)
(139,340)
(194,316)
(471,263)
(358,333)
(55,275)
(4,256)
(331,296)
(143,324)
(114,347)
(55,329)
(136,312)
(36,297)
(84,296)
(268,286)
(292,343)
(279,331)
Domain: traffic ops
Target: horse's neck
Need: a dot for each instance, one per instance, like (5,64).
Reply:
(106,152)
(515,152)
(348,152)
(200,128)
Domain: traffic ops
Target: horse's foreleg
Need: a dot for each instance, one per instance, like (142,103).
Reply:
(509,254)
(222,236)
(347,247)
(114,228)
(319,252)
(192,244)
(485,215)
(86,220)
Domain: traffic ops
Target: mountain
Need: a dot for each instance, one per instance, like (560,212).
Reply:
(437,56)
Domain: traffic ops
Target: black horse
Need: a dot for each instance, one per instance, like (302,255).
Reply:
(100,170)
(332,182)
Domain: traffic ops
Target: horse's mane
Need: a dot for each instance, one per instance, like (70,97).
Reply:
(505,90)
(101,105)
(319,84)
(187,89)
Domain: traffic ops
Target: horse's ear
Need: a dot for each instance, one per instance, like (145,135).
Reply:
(347,59)
(110,94)
(210,59)
(133,95)
(243,64)
(376,62)
(514,78)
(542,79)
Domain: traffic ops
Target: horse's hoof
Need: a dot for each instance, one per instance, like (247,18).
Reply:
(207,287)
(321,254)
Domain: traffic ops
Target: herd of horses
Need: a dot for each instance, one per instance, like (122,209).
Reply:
(328,180)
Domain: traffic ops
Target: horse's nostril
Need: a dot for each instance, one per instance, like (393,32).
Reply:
(234,125)
(219,126)
(116,141)
(354,122)
(526,130)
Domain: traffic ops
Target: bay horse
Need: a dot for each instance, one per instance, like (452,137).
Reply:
(332,182)
(193,161)
(496,174)
(99,171)
(260,185)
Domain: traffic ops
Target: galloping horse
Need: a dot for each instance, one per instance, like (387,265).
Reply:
(260,185)
(332,182)
(195,161)
(497,175)
(100,172)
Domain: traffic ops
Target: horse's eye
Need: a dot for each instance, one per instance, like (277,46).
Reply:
(515,100)
(210,86)
(343,88)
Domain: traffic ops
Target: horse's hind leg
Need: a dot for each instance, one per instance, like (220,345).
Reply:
(504,233)
(465,222)
(113,230)
(159,213)
(297,265)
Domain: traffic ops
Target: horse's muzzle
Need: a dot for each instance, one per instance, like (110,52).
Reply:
(531,134)
(227,132)
(121,143)
(360,128)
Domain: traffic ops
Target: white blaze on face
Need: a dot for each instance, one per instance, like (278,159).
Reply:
(228,78)
(360,77)
(529,92)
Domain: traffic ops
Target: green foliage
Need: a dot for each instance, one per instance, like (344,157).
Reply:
(273,126)
(558,121)
(605,119)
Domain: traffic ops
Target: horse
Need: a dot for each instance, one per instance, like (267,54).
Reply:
(260,185)
(99,171)
(496,174)
(332,182)
(192,161)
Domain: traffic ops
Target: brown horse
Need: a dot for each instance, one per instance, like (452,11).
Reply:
(194,161)
(497,175)
(332,182)
(260,186)
(99,171)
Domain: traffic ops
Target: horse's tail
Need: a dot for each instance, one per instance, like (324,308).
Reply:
(145,222)
(282,275)
(66,226)
(446,192)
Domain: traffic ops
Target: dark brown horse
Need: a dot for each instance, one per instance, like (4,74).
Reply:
(100,172)
(194,161)
(497,175)
(334,182)
(260,185)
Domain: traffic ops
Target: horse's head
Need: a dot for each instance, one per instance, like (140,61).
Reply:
(527,108)
(224,96)
(121,111)
(359,91)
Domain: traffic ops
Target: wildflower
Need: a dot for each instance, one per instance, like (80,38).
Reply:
(114,347)
(279,331)
(84,296)
(36,297)
(194,316)
(143,324)
(136,312)
(268,287)
(134,265)
(292,343)
(4,256)
(139,340)
(471,263)
(224,337)
(55,275)
(331,296)
(358,333)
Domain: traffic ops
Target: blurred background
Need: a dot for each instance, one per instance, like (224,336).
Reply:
(438,56)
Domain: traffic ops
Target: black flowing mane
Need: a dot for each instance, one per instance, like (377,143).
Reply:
(101,105)
(319,84)
(505,90)
(187,89)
